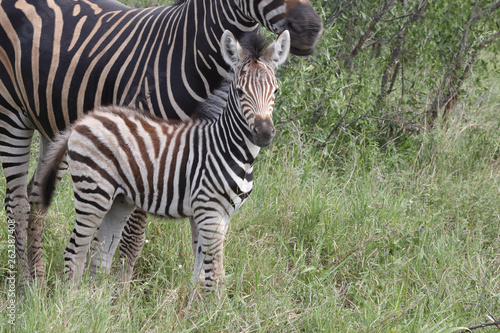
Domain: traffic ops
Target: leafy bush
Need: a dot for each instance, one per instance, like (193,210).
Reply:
(385,70)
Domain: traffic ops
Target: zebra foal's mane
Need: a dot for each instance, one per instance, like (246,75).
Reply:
(254,44)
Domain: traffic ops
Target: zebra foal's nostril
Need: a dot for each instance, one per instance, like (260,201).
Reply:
(263,132)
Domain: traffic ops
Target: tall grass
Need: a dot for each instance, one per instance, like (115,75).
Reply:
(398,236)
(389,240)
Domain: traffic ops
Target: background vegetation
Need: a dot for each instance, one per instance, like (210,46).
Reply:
(377,208)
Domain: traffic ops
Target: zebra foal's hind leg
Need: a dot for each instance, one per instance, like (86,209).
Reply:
(131,244)
(194,234)
(109,234)
(15,141)
(91,209)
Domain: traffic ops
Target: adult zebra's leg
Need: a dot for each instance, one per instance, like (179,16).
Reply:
(131,244)
(108,235)
(37,218)
(15,142)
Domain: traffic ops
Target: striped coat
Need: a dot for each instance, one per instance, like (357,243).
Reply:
(61,58)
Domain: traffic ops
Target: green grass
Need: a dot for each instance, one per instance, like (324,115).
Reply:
(398,236)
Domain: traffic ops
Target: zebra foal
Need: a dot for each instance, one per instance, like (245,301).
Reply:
(120,159)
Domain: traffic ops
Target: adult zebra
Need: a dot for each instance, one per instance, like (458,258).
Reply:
(61,58)
(201,169)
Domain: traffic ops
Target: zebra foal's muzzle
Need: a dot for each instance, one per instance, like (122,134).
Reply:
(263,131)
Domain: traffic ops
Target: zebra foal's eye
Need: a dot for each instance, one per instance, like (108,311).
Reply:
(240,92)
(276,91)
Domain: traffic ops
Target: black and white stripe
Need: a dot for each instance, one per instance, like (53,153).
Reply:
(121,158)
(61,58)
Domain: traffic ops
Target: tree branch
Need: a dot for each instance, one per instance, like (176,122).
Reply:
(450,78)
(335,16)
(368,32)
(339,123)
(494,323)
(393,79)
(392,65)
(474,16)
(396,18)
(474,56)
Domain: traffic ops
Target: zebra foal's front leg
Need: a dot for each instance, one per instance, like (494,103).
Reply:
(209,263)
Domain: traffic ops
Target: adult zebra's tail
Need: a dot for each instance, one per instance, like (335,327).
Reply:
(50,168)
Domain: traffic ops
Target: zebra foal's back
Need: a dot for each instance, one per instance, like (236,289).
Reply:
(120,159)
(131,153)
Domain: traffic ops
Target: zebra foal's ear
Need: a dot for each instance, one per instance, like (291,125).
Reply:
(277,52)
(231,49)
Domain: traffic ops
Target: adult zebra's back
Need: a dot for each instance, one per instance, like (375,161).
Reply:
(60,58)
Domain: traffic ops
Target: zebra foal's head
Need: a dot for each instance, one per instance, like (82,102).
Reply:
(254,87)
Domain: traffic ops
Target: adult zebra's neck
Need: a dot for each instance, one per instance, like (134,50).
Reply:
(215,16)
(197,49)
